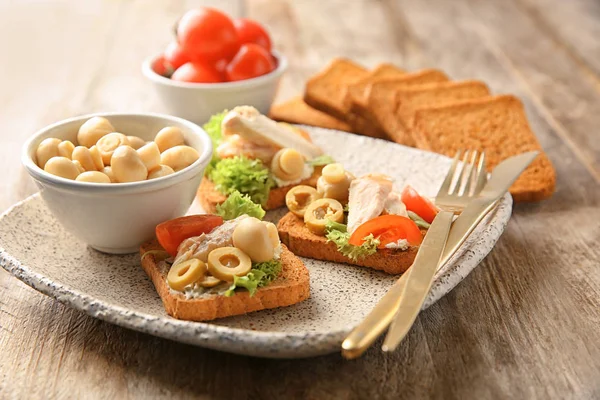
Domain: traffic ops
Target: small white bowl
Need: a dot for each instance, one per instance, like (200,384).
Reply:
(197,102)
(117,217)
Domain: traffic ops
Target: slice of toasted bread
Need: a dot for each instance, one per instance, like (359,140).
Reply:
(357,91)
(302,242)
(326,90)
(291,286)
(365,127)
(296,111)
(497,125)
(386,88)
(209,197)
(398,124)
(381,95)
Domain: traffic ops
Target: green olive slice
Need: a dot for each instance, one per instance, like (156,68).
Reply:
(300,197)
(226,262)
(209,281)
(321,210)
(185,273)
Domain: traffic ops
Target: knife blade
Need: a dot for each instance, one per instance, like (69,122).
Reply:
(419,279)
(375,323)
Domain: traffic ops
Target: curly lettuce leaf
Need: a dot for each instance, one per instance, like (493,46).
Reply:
(213,128)
(260,275)
(239,204)
(321,161)
(420,222)
(244,175)
(338,234)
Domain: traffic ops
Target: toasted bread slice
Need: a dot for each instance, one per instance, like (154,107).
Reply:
(296,111)
(497,125)
(381,96)
(365,127)
(291,286)
(326,90)
(382,92)
(209,197)
(357,91)
(398,124)
(302,242)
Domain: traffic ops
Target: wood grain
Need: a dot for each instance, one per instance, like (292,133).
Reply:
(522,325)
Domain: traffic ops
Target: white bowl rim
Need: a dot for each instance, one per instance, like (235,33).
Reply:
(282,65)
(113,188)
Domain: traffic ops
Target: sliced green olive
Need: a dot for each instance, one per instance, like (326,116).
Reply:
(209,281)
(321,210)
(185,273)
(226,262)
(300,197)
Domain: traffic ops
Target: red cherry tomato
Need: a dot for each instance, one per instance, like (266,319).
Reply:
(220,67)
(250,31)
(162,67)
(251,61)
(388,229)
(418,204)
(171,233)
(207,34)
(175,55)
(196,72)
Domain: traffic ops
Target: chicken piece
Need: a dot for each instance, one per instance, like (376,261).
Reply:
(235,145)
(368,195)
(254,127)
(394,205)
(199,246)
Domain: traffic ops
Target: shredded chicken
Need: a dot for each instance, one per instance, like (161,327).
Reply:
(235,145)
(199,246)
(394,205)
(368,195)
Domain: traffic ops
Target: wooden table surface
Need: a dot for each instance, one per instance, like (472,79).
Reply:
(525,324)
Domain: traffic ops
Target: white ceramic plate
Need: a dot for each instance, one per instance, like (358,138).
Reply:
(37,250)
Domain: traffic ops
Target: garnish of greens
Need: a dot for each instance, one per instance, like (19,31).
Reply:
(213,129)
(244,175)
(240,173)
(238,204)
(260,275)
(338,234)
(420,222)
(321,161)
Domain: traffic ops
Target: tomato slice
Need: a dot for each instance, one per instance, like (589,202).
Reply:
(418,204)
(388,229)
(171,233)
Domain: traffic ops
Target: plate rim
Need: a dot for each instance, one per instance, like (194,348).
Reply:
(206,334)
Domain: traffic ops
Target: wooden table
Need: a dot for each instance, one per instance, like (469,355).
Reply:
(525,324)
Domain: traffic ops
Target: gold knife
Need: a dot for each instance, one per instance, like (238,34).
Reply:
(419,279)
(376,322)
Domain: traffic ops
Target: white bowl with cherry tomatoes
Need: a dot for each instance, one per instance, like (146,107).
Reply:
(215,63)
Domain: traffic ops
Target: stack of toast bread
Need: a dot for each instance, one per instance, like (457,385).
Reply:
(424,109)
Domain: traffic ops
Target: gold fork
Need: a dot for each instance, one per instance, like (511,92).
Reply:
(462,184)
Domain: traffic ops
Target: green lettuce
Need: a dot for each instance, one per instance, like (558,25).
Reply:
(238,204)
(213,129)
(260,275)
(338,234)
(321,161)
(420,222)
(244,175)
